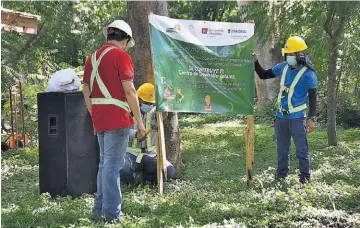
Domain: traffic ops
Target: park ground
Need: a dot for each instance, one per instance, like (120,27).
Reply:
(212,190)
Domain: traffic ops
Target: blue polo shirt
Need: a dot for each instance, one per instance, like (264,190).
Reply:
(306,82)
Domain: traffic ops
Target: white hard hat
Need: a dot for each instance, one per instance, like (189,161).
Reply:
(122,25)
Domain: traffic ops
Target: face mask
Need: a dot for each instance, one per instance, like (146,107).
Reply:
(145,107)
(291,60)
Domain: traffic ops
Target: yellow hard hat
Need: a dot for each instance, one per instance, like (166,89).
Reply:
(207,97)
(146,92)
(294,44)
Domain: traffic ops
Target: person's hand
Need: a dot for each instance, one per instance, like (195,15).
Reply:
(254,55)
(310,126)
(140,130)
(140,139)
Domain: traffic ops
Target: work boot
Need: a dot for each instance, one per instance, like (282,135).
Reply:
(279,178)
(96,215)
(304,180)
(112,221)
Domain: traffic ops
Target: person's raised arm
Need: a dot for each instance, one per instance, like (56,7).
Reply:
(263,74)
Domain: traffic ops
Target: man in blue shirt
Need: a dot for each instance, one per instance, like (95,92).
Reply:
(298,82)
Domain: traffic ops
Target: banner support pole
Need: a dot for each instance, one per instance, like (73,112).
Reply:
(249,149)
(161,153)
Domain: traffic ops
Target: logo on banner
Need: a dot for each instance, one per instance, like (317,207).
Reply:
(176,29)
(204,30)
(237,33)
(192,30)
(212,32)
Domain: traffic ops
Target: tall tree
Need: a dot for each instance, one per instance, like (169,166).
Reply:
(334,27)
(142,57)
(268,50)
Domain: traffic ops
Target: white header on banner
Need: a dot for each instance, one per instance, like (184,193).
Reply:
(207,33)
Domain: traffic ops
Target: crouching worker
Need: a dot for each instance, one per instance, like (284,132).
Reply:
(141,158)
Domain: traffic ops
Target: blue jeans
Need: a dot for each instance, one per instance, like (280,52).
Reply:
(127,173)
(113,146)
(284,130)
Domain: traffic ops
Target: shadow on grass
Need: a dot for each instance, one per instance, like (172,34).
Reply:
(22,206)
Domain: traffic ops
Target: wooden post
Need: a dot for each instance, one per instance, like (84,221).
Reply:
(22,115)
(11,115)
(16,120)
(161,153)
(249,149)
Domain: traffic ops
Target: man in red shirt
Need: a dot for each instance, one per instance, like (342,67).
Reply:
(110,96)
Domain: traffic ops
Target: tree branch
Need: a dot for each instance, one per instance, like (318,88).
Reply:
(342,14)
(328,22)
(222,13)
(27,45)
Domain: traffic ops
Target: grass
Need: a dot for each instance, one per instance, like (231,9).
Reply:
(212,189)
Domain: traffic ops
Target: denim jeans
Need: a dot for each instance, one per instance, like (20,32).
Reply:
(113,146)
(284,130)
(127,174)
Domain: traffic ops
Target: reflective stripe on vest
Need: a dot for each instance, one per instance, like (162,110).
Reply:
(290,91)
(108,100)
(134,144)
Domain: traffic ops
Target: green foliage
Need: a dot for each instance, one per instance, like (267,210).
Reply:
(213,189)
(266,114)
(204,10)
(71,31)
(68,33)
(347,112)
(30,91)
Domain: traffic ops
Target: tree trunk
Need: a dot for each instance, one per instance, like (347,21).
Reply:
(141,52)
(144,72)
(172,139)
(268,55)
(331,96)
(332,70)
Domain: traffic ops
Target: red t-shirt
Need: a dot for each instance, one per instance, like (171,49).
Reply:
(115,67)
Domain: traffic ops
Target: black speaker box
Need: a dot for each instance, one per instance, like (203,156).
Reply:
(68,148)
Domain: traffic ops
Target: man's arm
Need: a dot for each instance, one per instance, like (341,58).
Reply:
(126,77)
(312,102)
(263,74)
(132,99)
(86,93)
(86,82)
(311,85)
(133,102)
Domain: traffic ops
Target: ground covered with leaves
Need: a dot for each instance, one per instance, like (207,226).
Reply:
(212,190)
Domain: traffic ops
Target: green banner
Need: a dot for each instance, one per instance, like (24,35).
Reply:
(202,66)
